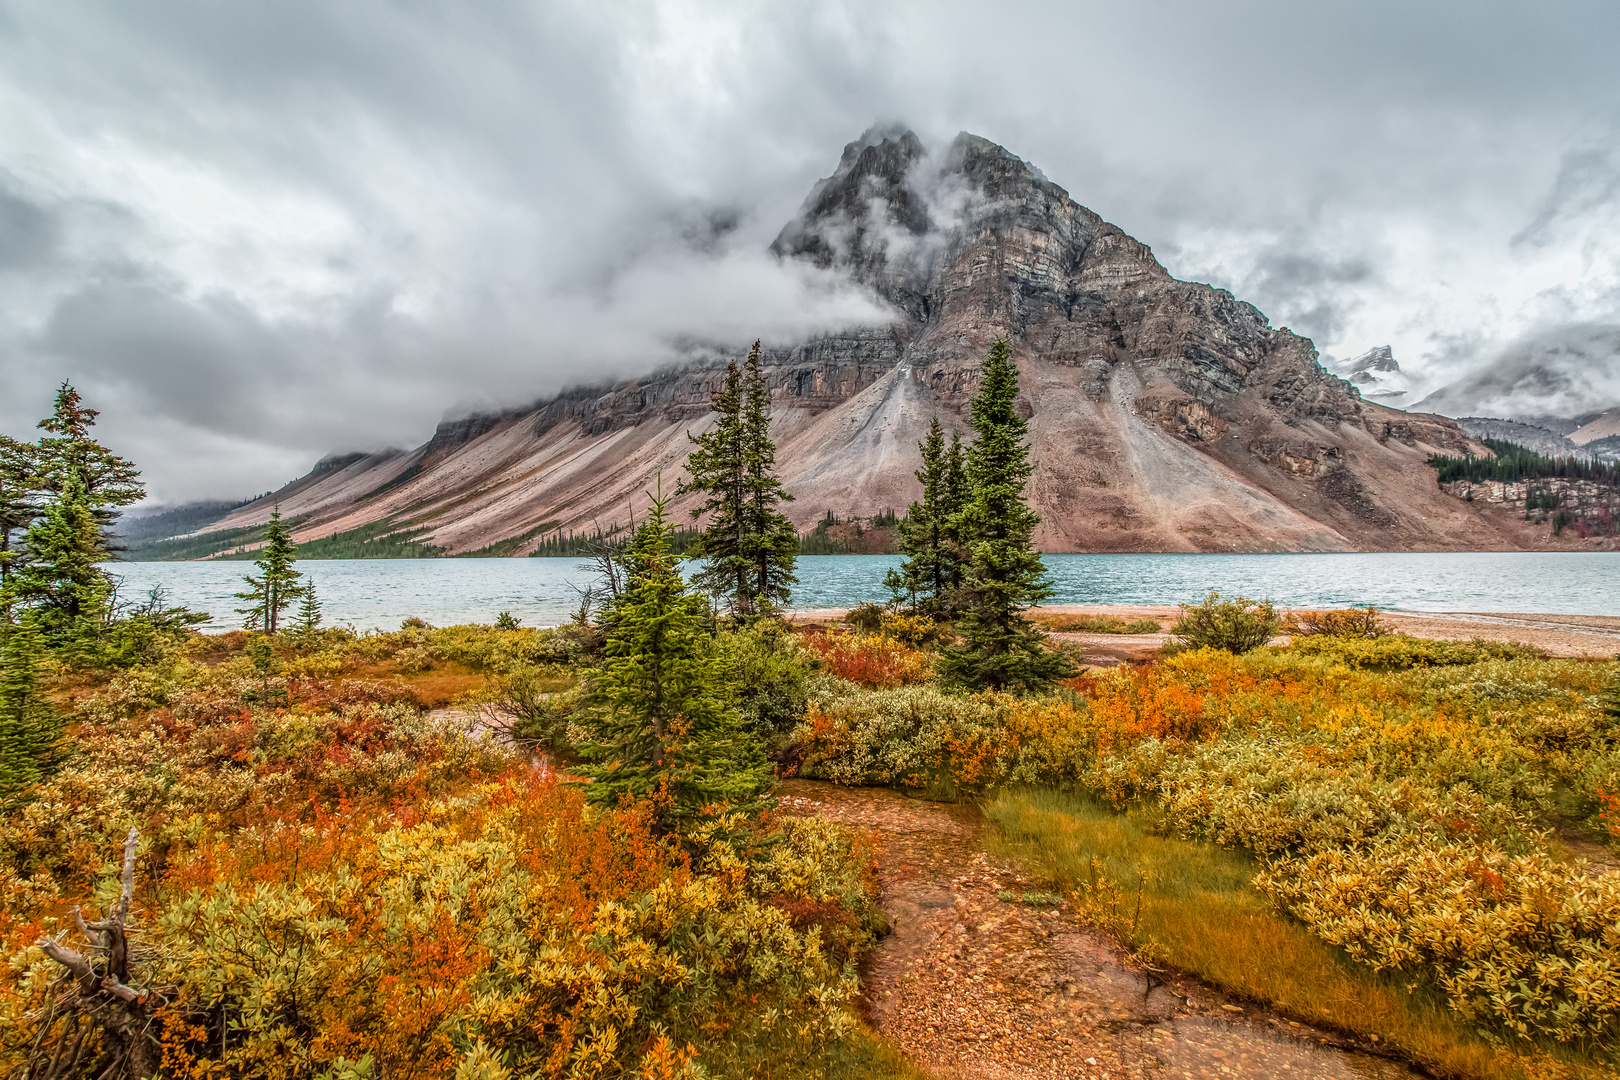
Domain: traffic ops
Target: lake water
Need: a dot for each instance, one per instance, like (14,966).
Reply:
(379,593)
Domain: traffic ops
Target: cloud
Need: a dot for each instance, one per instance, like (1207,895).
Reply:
(259,233)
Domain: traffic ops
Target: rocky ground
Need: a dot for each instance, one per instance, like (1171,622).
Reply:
(975,984)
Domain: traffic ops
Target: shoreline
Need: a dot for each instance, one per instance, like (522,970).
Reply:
(1588,637)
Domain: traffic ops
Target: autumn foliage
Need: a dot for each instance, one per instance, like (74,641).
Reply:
(876,662)
(339,885)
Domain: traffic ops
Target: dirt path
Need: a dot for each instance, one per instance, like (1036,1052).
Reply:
(975,988)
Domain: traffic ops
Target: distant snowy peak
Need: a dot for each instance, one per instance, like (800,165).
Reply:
(1572,372)
(1376,374)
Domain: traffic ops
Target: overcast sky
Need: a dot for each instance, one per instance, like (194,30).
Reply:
(256,233)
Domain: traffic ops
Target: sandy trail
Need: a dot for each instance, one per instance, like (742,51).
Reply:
(973,988)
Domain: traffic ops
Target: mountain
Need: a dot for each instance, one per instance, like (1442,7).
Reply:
(1376,374)
(1605,425)
(1530,436)
(1165,415)
(1565,373)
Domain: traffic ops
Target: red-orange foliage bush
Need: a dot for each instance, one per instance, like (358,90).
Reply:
(875,662)
(1134,704)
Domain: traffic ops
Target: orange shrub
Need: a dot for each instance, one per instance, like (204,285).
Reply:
(876,662)
(1129,706)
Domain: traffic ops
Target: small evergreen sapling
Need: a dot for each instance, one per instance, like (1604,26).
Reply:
(31,745)
(276,587)
(309,610)
(667,735)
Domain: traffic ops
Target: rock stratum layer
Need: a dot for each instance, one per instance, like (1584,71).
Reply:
(1165,415)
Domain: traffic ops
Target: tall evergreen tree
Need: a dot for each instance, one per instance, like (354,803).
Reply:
(31,745)
(958,493)
(68,448)
(18,470)
(61,580)
(1002,648)
(926,575)
(666,735)
(276,588)
(749,547)
(772,545)
(717,468)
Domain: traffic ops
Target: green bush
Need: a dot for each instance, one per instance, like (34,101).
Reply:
(1236,626)
(1397,652)
(902,737)
(766,673)
(865,618)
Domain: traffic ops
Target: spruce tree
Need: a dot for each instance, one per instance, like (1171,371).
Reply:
(61,580)
(1002,649)
(309,610)
(31,746)
(953,544)
(772,547)
(18,472)
(68,448)
(276,587)
(717,469)
(666,734)
(929,573)
(748,547)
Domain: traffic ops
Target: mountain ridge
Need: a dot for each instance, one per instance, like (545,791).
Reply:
(1165,415)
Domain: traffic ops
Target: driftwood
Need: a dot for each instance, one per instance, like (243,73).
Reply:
(96,1023)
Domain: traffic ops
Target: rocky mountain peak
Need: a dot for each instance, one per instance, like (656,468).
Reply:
(897,217)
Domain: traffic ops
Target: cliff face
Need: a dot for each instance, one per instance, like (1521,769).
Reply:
(1165,415)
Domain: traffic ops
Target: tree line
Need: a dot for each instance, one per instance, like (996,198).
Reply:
(1515,464)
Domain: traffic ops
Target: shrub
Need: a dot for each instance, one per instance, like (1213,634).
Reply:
(766,671)
(1235,625)
(902,736)
(1097,624)
(1348,623)
(876,662)
(865,618)
(914,630)
(1520,944)
(564,941)
(344,887)
(1397,652)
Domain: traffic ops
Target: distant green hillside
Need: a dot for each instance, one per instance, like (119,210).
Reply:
(379,540)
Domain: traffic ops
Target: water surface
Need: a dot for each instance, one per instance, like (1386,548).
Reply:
(379,593)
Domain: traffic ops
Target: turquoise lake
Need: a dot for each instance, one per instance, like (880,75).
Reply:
(379,593)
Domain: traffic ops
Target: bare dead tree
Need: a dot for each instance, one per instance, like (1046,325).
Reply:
(106,1025)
